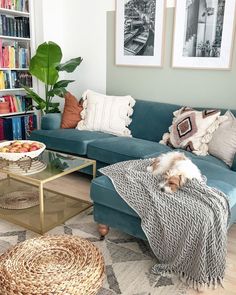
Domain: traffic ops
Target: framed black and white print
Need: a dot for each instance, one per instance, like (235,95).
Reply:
(139,32)
(203,34)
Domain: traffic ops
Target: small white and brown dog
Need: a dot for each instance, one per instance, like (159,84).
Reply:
(176,169)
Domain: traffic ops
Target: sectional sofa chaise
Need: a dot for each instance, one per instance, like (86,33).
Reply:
(150,121)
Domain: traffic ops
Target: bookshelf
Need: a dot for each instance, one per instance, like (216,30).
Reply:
(16,114)
(12,90)
(16,47)
(13,12)
(15,38)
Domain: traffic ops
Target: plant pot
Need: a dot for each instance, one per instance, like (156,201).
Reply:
(51,121)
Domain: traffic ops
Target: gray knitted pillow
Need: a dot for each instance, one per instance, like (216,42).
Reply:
(223,143)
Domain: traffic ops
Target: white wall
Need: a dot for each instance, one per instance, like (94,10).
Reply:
(79,27)
(85,25)
(85,36)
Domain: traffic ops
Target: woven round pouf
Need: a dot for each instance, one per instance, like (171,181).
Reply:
(58,265)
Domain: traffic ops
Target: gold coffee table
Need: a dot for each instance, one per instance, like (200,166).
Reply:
(27,179)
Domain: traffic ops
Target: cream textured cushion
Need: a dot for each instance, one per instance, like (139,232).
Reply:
(110,114)
(192,130)
(223,143)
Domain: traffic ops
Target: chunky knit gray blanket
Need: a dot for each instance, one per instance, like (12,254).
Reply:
(187,230)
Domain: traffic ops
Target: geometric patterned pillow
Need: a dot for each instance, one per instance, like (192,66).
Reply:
(192,130)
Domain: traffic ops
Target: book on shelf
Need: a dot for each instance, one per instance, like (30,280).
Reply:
(16,103)
(5,80)
(14,54)
(15,26)
(1,129)
(19,127)
(14,79)
(20,5)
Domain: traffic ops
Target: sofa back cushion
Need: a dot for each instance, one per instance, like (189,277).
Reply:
(150,120)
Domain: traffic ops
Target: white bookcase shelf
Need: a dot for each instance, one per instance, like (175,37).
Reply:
(14,12)
(16,114)
(14,38)
(12,90)
(14,69)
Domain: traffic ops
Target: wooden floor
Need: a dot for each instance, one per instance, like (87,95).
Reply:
(78,185)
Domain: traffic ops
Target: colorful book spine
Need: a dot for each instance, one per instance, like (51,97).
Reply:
(21,5)
(17,103)
(17,26)
(18,127)
(2,82)
(2,137)
(1,55)
(14,54)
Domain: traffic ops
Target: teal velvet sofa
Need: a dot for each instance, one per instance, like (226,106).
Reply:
(149,121)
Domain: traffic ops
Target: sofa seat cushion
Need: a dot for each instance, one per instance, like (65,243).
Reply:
(117,149)
(68,140)
(104,193)
(210,159)
(194,158)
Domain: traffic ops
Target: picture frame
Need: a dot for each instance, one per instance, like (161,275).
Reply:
(207,34)
(140,32)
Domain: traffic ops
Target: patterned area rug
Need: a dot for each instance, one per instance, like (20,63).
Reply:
(128,260)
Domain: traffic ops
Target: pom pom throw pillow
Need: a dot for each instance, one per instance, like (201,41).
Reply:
(71,114)
(223,143)
(192,130)
(110,114)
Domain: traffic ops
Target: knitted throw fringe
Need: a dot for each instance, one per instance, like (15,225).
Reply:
(212,283)
(187,230)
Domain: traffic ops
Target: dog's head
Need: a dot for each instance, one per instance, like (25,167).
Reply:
(172,183)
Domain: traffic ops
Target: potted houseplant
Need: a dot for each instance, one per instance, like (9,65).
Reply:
(46,65)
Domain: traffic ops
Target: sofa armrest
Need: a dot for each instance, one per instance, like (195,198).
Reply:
(234,163)
(51,121)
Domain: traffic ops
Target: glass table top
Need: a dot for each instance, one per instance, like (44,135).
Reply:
(48,166)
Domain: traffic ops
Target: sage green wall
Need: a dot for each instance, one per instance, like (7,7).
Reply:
(209,88)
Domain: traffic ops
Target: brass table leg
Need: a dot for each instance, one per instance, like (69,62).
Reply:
(41,207)
(94,169)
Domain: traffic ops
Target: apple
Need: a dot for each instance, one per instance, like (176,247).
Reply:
(13,150)
(16,143)
(36,145)
(22,150)
(4,150)
(26,145)
(33,148)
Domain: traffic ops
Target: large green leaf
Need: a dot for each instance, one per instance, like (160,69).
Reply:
(60,91)
(70,65)
(54,104)
(43,65)
(63,83)
(40,102)
(53,107)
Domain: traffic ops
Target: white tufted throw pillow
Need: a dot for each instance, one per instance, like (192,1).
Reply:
(109,114)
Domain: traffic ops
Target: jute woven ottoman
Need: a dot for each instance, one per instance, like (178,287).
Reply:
(52,265)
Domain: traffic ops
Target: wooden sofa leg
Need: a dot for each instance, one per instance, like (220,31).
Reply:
(103,230)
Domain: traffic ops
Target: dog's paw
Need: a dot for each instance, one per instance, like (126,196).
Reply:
(149,169)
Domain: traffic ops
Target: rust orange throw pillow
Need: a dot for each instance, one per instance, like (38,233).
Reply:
(71,113)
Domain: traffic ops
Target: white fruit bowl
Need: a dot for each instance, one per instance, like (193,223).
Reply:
(18,156)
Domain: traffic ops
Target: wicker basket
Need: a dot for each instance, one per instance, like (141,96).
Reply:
(58,265)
